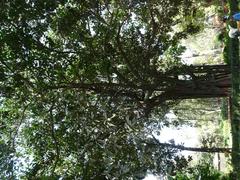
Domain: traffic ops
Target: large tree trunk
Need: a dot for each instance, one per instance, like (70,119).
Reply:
(187,82)
(191,82)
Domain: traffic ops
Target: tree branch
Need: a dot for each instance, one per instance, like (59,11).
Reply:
(54,138)
(195,149)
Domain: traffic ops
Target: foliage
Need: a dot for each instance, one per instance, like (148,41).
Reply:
(226,50)
(224,109)
(197,112)
(202,171)
(76,83)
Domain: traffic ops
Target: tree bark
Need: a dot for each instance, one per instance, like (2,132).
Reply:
(187,82)
(197,149)
(194,149)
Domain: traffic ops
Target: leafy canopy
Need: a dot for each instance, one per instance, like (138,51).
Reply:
(77,80)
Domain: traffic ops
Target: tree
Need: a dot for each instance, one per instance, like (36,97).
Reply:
(84,81)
